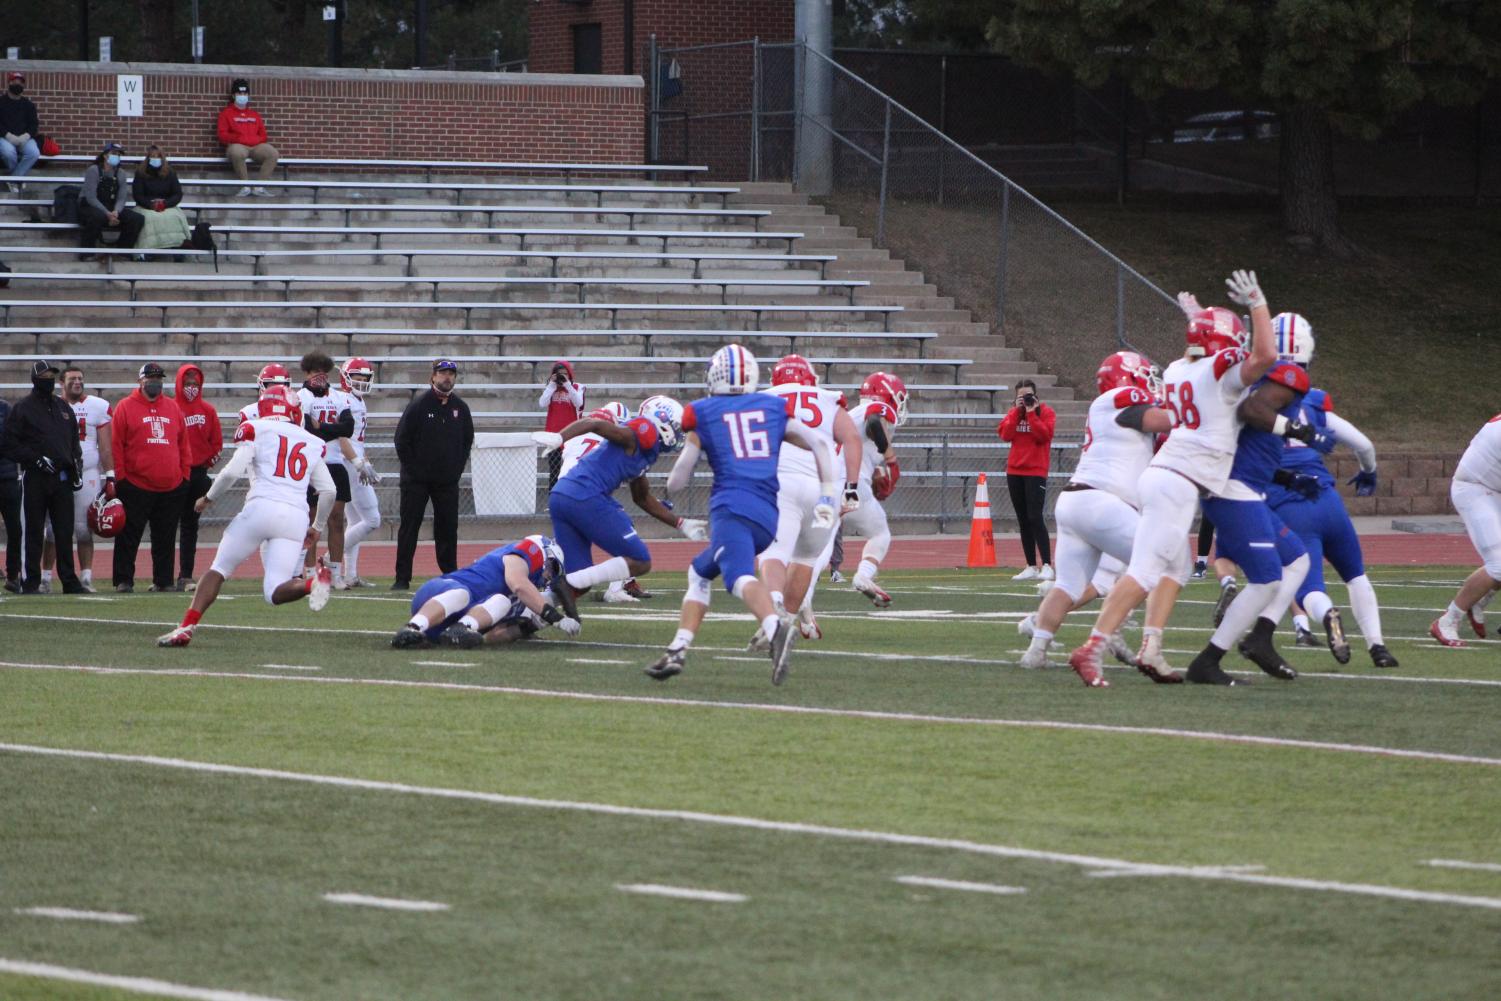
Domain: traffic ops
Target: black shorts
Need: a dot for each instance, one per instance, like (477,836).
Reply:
(342,492)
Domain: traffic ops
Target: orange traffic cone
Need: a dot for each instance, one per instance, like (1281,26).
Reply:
(981,541)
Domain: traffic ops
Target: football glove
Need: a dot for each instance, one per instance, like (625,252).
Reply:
(1301,483)
(368,474)
(1243,288)
(1189,303)
(823,512)
(1309,435)
(550,441)
(694,529)
(1365,483)
(571,627)
(851,498)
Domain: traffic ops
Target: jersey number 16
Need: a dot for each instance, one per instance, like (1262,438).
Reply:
(746,440)
(291,464)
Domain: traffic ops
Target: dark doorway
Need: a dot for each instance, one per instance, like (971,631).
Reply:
(588,52)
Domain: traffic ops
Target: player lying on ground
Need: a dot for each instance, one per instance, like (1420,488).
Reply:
(282,460)
(1476,493)
(464,608)
(740,432)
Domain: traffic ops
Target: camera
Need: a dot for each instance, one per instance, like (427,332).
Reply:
(1029,400)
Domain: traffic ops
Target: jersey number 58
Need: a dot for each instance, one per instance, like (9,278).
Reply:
(1180,400)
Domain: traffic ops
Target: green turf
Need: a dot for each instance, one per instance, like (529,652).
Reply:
(228,871)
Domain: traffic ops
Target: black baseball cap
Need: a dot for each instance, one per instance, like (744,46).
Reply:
(41,368)
(445,365)
(151,370)
(112,145)
(240,86)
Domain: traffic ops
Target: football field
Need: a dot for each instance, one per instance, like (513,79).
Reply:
(290,809)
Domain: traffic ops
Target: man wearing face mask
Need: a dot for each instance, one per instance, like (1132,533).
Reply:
(42,438)
(153,460)
(18,124)
(242,130)
(433,439)
(101,203)
(200,423)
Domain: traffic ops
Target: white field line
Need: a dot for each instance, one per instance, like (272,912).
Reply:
(445,663)
(97,597)
(870,714)
(69,914)
(593,661)
(291,667)
(134,985)
(1448,863)
(682,893)
(761,824)
(1147,870)
(384,903)
(958,884)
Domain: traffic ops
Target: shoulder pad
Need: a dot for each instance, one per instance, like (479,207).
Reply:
(881,410)
(1130,396)
(1228,359)
(1292,376)
(690,421)
(245,432)
(531,552)
(646,431)
(1319,400)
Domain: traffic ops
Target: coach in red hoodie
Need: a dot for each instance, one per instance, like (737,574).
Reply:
(205,441)
(152,461)
(1028,426)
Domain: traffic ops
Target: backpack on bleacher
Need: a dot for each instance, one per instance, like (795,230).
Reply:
(65,203)
(203,239)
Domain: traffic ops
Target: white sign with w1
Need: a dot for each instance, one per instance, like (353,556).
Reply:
(130,96)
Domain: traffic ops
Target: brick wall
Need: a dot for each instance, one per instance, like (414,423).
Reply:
(1416,483)
(350,112)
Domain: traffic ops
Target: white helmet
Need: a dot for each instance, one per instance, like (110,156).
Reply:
(667,414)
(1294,338)
(614,411)
(733,370)
(552,552)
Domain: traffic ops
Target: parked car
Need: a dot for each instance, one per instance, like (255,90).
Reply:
(1227,126)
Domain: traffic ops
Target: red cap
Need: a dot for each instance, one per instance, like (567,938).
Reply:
(15,75)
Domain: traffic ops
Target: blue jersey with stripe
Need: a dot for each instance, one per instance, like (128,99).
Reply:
(741,436)
(487,575)
(1258,453)
(602,470)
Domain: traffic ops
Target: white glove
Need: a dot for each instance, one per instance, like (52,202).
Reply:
(1243,288)
(549,440)
(823,513)
(368,474)
(1189,303)
(851,499)
(571,627)
(694,529)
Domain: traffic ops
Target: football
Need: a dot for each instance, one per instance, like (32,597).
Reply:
(880,483)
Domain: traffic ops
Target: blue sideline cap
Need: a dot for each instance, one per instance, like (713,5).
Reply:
(445,365)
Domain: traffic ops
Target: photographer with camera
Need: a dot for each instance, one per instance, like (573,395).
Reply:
(563,402)
(41,437)
(1028,427)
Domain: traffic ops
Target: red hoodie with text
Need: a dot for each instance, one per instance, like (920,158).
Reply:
(150,443)
(244,126)
(562,408)
(200,419)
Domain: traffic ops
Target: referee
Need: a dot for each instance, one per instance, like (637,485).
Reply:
(433,440)
(42,438)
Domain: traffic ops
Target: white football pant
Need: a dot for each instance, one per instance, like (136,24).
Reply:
(281,527)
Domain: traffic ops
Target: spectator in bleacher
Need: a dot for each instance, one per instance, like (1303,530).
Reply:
(157,193)
(563,402)
(152,462)
(10,509)
(200,423)
(101,203)
(1028,426)
(19,124)
(42,438)
(242,130)
(433,439)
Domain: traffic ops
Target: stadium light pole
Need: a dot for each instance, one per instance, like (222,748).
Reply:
(815,141)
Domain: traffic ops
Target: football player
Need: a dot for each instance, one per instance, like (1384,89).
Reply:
(574,449)
(1202,389)
(328,412)
(1304,497)
(583,509)
(740,432)
(798,542)
(282,460)
(271,374)
(357,378)
(881,410)
(1476,494)
(460,608)
(1097,513)
(92,415)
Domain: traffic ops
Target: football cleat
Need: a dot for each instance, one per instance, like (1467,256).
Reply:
(1258,649)
(320,586)
(1028,625)
(758,642)
(635,590)
(181,636)
(1200,566)
(1382,657)
(1305,637)
(408,637)
(807,624)
(781,650)
(1205,670)
(355,582)
(1227,595)
(619,596)
(462,636)
(1036,656)
(1116,644)
(1150,662)
(835,577)
(669,664)
(1086,663)
(1027,573)
(1476,615)
(1443,630)
(1334,630)
(871,590)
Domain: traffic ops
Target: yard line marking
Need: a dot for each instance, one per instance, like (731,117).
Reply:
(1448,863)
(682,893)
(1150,870)
(445,663)
(385,903)
(762,824)
(959,884)
(95,598)
(291,667)
(136,985)
(588,660)
(772,707)
(741,659)
(69,914)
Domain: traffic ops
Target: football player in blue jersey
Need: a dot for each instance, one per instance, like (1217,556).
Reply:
(740,432)
(1303,495)
(459,608)
(585,513)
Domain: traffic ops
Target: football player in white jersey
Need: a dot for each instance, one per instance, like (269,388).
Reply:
(1476,494)
(1097,513)
(93,418)
(881,410)
(799,542)
(328,412)
(1203,390)
(357,378)
(272,374)
(282,461)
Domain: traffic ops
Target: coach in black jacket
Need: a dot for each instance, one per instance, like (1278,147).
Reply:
(41,436)
(433,440)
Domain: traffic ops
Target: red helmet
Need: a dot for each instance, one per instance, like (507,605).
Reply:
(1124,368)
(358,376)
(793,369)
(1212,330)
(273,375)
(889,389)
(280,404)
(106,517)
